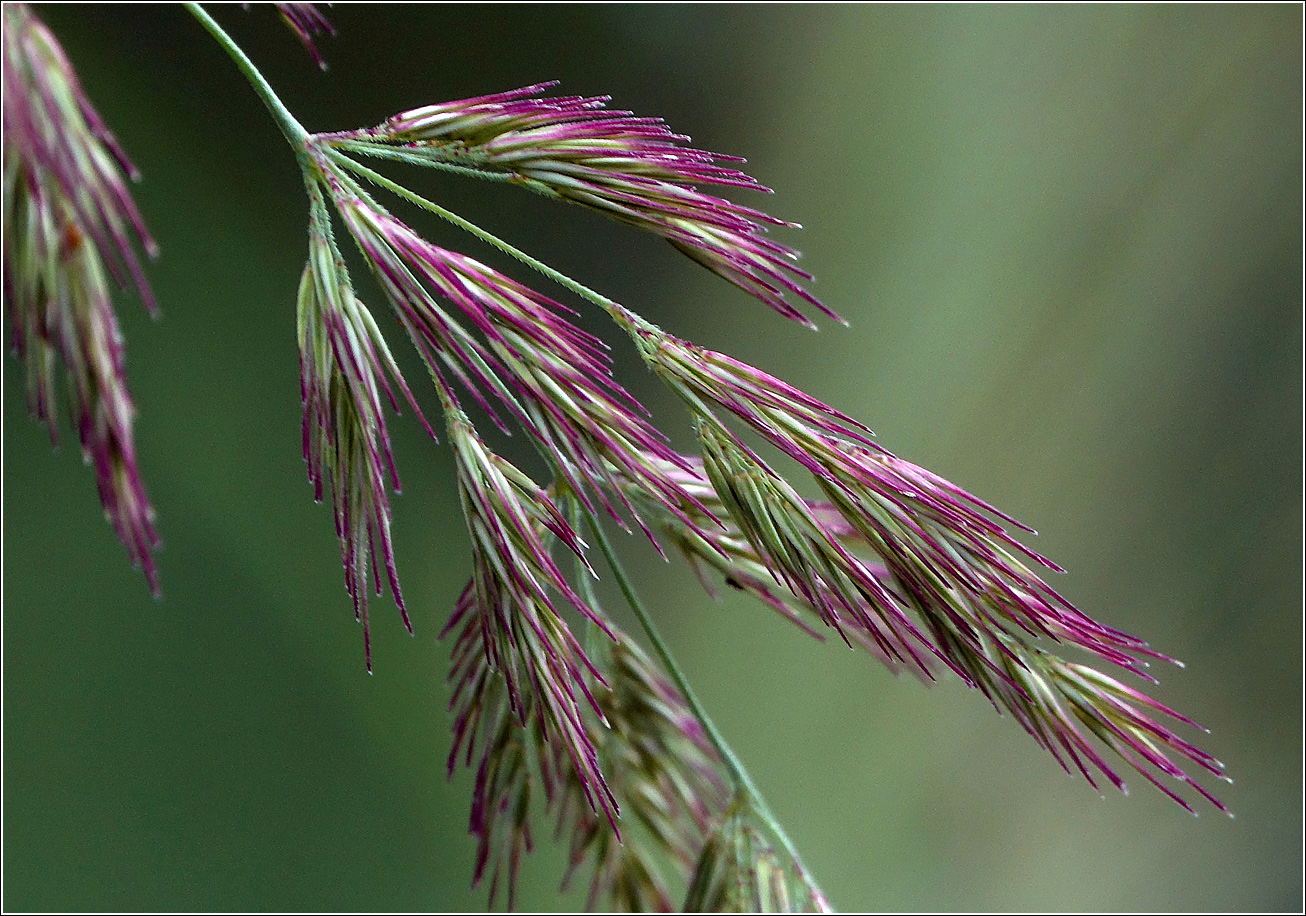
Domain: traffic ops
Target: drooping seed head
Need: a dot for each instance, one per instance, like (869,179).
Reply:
(513,599)
(345,366)
(70,234)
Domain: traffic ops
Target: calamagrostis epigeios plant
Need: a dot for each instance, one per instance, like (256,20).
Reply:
(610,743)
(70,234)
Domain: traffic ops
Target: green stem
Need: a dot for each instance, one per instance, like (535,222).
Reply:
(411,158)
(294,131)
(744,784)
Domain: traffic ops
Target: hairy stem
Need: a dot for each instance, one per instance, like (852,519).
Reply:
(580,289)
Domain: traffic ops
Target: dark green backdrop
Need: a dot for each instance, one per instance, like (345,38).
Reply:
(1069,241)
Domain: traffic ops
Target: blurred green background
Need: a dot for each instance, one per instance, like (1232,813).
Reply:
(1069,242)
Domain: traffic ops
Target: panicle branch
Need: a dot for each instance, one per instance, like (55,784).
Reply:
(660,768)
(64,151)
(510,608)
(554,378)
(714,541)
(667,777)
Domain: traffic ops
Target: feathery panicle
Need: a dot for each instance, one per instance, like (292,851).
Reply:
(69,224)
(740,872)
(306,21)
(893,557)
(511,606)
(948,556)
(632,169)
(344,363)
(552,376)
